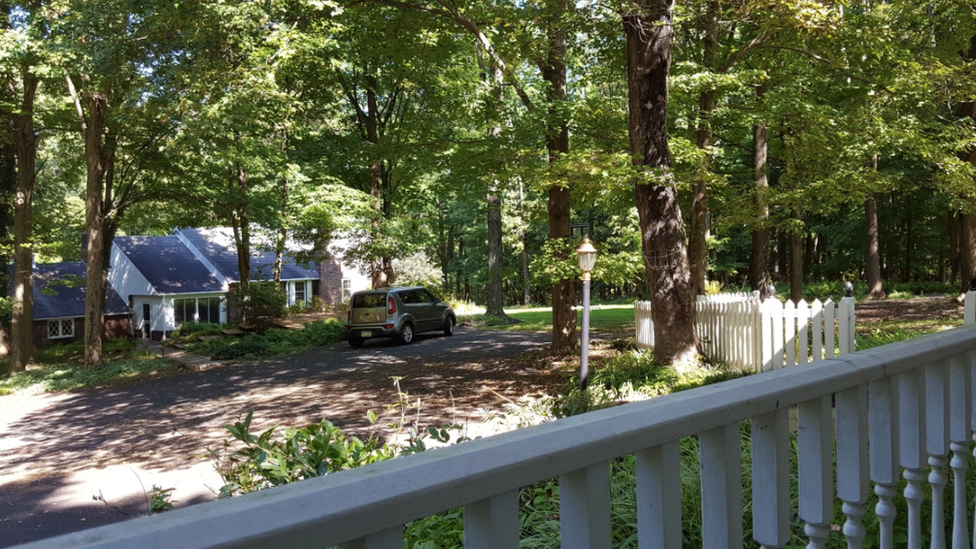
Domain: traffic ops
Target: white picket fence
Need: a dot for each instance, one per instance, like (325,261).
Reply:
(746,333)
(969,316)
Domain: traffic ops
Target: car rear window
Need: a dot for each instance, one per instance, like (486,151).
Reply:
(371,301)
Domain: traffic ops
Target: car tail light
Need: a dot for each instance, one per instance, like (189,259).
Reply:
(388,326)
(347,327)
(391,306)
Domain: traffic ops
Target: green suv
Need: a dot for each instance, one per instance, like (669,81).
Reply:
(398,313)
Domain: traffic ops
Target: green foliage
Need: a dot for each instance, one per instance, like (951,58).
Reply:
(159,500)
(71,376)
(273,342)
(269,459)
(632,376)
(417,270)
(604,319)
(259,304)
(189,328)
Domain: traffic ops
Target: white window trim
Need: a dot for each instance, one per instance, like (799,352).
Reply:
(60,324)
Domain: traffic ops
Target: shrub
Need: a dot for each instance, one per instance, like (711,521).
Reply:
(260,304)
(270,459)
(197,328)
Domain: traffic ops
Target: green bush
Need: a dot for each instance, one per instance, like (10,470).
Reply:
(270,459)
(198,329)
(273,342)
(260,304)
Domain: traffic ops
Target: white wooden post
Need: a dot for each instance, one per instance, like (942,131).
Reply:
(815,469)
(584,508)
(852,460)
(776,310)
(492,522)
(937,444)
(969,316)
(817,314)
(391,538)
(960,409)
(883,435)
(789,324)
(830,314)
(771,478)
(802,332)
(659,496)
(911,453)
(644,325)
(846,325)
(721,488)
(759,337)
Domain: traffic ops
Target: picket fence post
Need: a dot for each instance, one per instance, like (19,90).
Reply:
(970,315)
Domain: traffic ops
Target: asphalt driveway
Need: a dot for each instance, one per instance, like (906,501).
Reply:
(60,452)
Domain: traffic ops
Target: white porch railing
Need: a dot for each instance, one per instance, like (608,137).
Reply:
(752,335)
(909,403)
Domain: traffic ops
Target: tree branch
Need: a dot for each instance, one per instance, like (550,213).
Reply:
(74,96)
(741,52)
(817,57)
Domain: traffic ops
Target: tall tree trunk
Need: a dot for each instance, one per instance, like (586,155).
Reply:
(98,156)
(557,145)
(954,256)
(796,257)
(25,143)
(698,239)
(649,35)
(968,245)
(526,280)
(967,219)
(758,269)
(8,192)
(873,266)
(282,239)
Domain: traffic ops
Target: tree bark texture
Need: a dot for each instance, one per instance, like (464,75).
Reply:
(967,241)
(99,155)
(796,257)
(649,35)
(557,144)
(758,267)
(25,143)
(698,239)
(873,256)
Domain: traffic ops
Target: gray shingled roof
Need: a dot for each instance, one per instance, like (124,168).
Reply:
(168,265)
(59,291)
(262,262)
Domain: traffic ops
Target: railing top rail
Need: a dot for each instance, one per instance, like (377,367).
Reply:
(336,508)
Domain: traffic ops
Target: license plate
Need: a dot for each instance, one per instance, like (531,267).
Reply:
(366,333)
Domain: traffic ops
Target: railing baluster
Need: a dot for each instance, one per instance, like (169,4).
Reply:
(584,508)
(852,460)
(883,437)
(937,445)
(492,522)
(721,488)
(815,468)
(960,408)
(771,478)
(659,496)
(911,420)
(391,538)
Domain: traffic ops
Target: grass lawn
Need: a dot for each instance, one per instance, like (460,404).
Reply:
(61,368)
(603,319)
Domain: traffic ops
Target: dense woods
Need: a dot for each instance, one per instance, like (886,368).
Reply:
(700,143)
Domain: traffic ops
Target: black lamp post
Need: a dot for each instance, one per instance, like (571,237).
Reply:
(587,257)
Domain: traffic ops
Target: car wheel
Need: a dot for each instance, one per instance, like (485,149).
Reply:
(449,325)
(356,342)
(406,334)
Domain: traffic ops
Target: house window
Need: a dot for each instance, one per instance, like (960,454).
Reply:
(184,310)
(57,329)
(346,289)
(300,292)
(210,309)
